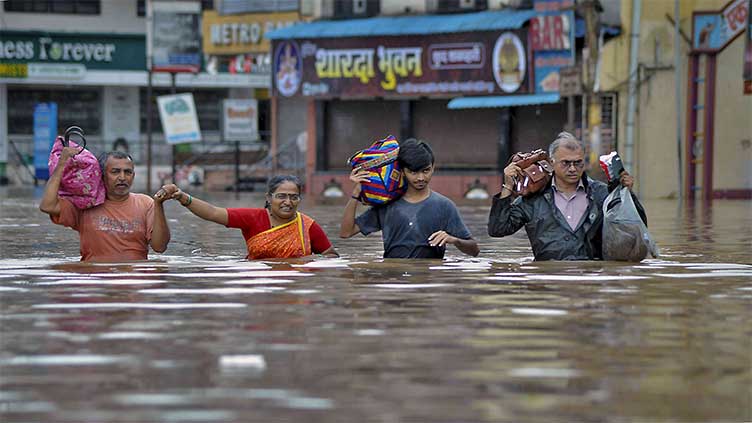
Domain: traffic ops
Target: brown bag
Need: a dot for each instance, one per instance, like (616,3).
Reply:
(536,169)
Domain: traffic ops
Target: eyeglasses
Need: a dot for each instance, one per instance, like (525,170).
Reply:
(283,196)
(579,164)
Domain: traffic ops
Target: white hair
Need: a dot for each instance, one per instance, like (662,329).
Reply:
(567,140)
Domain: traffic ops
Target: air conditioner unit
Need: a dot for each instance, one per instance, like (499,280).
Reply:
(360,7)
(455,6)
(402,7)
(518,4)
(499,4)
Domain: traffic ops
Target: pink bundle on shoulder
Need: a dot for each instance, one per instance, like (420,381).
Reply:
(82,182)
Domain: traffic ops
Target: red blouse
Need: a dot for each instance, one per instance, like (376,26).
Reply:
(254,221)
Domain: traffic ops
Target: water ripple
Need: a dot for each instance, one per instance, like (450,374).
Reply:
(155,306)
(65,360)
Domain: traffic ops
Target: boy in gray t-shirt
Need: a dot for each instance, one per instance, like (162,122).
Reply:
(418,225)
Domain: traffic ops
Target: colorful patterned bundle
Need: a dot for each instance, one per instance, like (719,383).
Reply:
(385,181)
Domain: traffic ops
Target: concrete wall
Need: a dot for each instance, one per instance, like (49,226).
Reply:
(656,159)
(292,118)
(452,185)
(401,7)
(732,163)
(116,17)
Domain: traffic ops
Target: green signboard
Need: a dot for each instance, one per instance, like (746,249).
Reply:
(94,51)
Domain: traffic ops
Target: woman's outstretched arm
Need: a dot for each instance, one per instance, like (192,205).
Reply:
(201,208)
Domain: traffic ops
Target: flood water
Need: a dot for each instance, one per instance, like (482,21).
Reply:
(200,335)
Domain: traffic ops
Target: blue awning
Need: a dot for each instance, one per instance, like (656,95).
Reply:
(406,25)
(579,29)
(502,101)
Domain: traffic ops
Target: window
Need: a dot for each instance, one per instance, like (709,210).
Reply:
(62,7)
(141,6)
(74,107)
(354,8)
(232,7)
(609,120)
(452,6)
(79,7)
(306,7)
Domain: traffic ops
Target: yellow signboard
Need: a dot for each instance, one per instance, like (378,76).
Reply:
(236,34)
(14,70)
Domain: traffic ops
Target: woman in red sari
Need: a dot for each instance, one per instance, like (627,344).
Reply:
(276,231)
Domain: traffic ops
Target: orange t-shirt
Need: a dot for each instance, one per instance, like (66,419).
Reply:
(113,231)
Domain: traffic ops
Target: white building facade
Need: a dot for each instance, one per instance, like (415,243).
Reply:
(90,59)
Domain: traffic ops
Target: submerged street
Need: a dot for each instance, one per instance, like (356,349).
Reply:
(199,334)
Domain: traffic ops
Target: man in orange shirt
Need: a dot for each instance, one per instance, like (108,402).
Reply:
(120,229)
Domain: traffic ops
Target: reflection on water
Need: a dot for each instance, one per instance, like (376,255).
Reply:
(200,335)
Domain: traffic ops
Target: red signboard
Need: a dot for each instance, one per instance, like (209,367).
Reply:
(477,63)
(747,73)
(735,16)
(550,32)
(713,31)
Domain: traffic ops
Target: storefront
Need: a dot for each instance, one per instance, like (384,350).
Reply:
(99,83)
(361,80)
(236,44)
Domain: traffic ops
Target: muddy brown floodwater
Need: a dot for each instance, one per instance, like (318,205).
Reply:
(200,335)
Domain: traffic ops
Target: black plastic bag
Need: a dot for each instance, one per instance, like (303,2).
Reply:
(625,236)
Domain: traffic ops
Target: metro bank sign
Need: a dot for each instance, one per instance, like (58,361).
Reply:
(95,51)
(242,34)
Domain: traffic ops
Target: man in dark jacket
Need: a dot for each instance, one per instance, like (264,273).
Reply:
(564,221)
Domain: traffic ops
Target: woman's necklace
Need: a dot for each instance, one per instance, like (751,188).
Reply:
(274,222)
